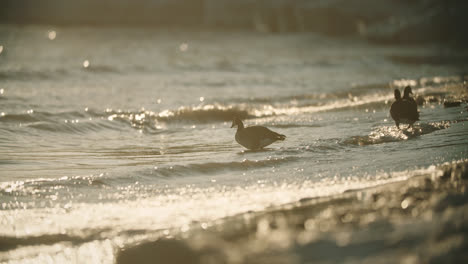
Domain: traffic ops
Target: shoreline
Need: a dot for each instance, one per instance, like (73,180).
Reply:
(423,219)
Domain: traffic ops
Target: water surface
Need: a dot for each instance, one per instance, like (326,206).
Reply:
(110,135)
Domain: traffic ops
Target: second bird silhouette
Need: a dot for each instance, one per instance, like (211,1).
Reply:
(404,110)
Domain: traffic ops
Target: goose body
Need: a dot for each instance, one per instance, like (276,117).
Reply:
(255,137)
(404,110)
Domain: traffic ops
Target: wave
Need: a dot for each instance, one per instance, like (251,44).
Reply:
(205,113)
(101,69)
(47,74)
(68,127)
(350,93)
(360,96)
(41,186)
(216,167)
(45,187)
(20,118)
(386,134)
(27,75)
(370,96)
(152,122)
(62,122)
(31,116)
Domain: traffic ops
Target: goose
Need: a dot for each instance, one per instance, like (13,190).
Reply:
(254,137)
(404,110)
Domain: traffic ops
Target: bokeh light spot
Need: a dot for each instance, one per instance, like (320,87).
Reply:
(86,63)
(52,34)
(183,47)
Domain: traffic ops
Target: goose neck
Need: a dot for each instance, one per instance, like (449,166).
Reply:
(240,126)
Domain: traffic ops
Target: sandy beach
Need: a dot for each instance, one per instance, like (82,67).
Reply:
(423,219)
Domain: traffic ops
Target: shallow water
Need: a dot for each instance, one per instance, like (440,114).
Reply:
(111,135)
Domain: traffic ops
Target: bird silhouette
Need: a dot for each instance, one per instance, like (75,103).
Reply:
(404,110)
(254,137)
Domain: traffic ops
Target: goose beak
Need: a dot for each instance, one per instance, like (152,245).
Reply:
(233,124)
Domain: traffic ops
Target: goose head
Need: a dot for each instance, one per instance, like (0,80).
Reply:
(407,92)
(237,122)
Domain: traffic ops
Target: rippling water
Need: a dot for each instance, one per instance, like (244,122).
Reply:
(108,136)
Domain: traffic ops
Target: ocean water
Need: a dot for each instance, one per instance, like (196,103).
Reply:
(113,136)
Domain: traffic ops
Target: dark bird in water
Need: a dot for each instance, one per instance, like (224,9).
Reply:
(255,137)
(404,110)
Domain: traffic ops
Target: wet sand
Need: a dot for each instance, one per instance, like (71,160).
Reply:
(420,220)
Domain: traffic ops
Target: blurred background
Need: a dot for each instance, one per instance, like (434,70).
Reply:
(389,21)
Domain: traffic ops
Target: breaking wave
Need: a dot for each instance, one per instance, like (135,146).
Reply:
(386,134)
(358,97)
(150,121)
